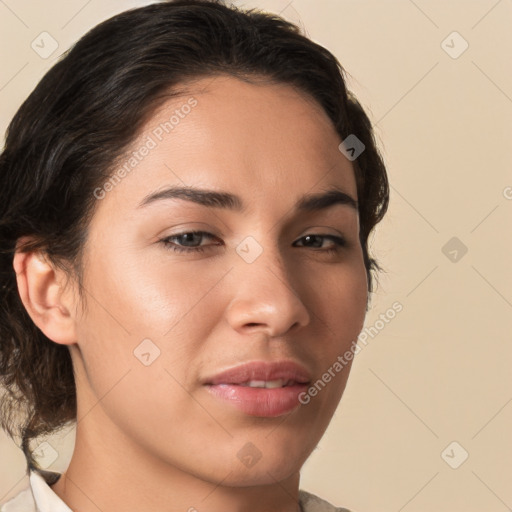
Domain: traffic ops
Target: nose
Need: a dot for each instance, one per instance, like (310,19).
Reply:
(265,300)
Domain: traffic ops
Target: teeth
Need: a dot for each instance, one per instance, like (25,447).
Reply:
(275,383)
(269,384)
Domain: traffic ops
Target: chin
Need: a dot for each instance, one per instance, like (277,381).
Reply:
(264,475)
(274,464)
(252,467)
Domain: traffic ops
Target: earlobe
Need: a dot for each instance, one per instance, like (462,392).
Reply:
(41,290)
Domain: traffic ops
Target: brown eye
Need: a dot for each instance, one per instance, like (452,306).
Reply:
(316,242)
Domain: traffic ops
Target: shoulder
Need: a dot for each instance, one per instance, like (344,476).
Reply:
(22,502)
(311,503)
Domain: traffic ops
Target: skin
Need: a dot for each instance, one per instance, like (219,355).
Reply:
(151,437)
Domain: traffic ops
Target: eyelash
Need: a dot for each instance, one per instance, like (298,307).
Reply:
(339,242)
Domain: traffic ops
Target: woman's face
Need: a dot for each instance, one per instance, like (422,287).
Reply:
(267,283)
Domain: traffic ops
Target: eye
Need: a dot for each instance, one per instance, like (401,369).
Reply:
(316,242)
(190,241)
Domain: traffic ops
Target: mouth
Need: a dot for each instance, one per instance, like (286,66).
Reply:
(262,374)
(259,388)
(268,384)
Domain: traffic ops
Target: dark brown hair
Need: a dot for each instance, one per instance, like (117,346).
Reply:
(86,111)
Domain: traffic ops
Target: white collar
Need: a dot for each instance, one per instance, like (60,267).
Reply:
(45,498)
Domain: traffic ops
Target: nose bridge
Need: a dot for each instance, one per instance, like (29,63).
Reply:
(265,295)
(261,256)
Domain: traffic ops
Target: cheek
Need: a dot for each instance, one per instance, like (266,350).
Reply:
(342,300)
(340,310)
(151,295)
(144,311)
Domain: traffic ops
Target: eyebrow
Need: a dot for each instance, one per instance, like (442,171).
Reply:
(226,200)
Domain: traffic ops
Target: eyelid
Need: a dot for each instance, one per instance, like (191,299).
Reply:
(340,242)
(183,248)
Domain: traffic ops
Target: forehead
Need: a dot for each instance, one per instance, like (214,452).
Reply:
(259,140)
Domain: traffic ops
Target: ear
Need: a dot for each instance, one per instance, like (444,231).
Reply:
(45,297)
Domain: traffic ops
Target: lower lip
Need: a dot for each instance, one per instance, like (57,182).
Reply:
(262,402)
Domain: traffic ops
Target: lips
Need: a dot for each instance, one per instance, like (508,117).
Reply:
(264,389)
(287,371)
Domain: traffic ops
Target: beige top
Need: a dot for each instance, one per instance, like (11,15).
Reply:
(40,497)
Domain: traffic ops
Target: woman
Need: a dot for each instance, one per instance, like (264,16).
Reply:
(187,197)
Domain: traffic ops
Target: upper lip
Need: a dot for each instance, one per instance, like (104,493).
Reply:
(262,370)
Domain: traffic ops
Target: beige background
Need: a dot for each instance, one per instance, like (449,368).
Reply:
(440,370)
